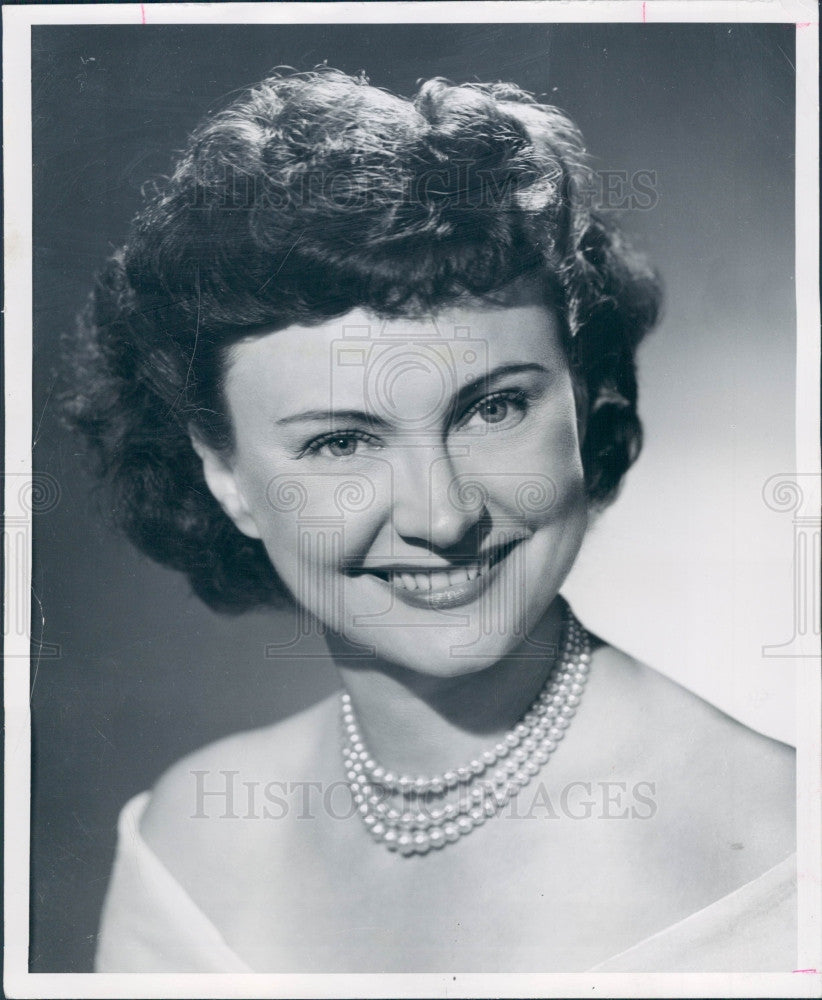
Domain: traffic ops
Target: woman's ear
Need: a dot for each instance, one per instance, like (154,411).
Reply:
(222,481)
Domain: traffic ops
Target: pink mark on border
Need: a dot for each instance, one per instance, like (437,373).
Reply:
(644,5)
(143,13)
(805,970)
(805,24)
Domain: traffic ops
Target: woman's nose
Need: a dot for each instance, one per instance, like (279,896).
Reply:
(427,505)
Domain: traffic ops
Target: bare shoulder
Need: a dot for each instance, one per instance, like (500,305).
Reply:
(217,808)
(727,791)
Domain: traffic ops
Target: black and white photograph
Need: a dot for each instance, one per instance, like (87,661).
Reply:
(411,483)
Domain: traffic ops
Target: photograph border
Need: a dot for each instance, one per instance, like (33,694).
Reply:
(806,980)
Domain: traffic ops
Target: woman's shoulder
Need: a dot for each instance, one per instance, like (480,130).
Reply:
(232,799)
(726,791)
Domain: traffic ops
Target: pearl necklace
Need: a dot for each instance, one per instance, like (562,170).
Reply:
(515,760)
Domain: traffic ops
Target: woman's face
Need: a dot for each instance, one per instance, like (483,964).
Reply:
(417,483)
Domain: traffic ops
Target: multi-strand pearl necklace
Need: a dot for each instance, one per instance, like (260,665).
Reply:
(418,825)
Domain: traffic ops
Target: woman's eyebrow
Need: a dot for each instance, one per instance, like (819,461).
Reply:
(333,416)
(490,378)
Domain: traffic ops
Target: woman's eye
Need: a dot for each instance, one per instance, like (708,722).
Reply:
(337,445)
(501,412)
(342,446)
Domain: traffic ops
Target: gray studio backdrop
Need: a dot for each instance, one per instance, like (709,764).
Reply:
(133,671)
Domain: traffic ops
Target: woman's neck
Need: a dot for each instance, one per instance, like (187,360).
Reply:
(415,723)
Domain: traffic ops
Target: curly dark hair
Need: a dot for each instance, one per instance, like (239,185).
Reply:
(310,195)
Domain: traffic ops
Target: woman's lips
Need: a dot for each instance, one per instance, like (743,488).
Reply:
(441,589)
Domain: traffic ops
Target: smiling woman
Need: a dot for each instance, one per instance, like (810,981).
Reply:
(374,356)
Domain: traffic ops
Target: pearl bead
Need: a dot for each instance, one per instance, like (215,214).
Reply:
(476,767)
(407,819)
(464,824)
(568,711)
(548,745)
(477,815)
(405,843)
(422,842)
(488,757)
(477,794)
(393,815)
(406,783)
(555,733)
(512,740)
(378,773)
(501,749)
(378,829)
(451,832)
(562,723)
(463,774)
(363,809)
(369,819)
(573,700)
(436,786)
(530,744)
(511,765)
(450,778)
(500,776)
(529,719)
(421,785)
(390,839)
(540,757)
(520,754)
(531,767)
(389,778)
(436,837)
(449,811)
(521,730)
(421,820)
(490,808)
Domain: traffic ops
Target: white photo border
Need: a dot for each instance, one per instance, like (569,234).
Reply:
(806,981)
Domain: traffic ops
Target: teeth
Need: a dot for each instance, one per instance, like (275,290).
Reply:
(438,580)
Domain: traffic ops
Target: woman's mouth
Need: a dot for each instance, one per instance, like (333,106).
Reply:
(439,589)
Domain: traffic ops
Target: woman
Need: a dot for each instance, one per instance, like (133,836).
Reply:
(375,357)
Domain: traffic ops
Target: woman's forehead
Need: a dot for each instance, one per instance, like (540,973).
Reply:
(519,330)
(361,362)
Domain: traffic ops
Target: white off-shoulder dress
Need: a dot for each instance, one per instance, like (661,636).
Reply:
(151,924)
